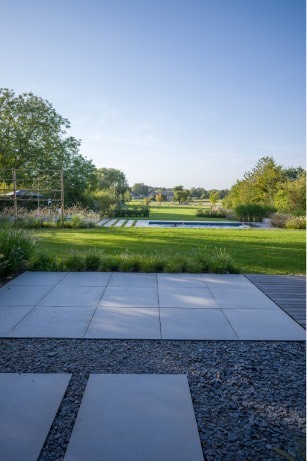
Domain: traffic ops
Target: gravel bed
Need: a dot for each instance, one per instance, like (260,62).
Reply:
(248,396)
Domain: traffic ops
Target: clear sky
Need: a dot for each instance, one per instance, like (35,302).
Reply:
(189,92)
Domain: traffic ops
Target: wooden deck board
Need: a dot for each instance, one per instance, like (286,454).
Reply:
(287,291)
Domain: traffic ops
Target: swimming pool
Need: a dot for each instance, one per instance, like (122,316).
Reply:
(199,224)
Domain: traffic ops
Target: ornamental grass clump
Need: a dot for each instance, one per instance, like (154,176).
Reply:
(220,262)
(16,247)
(287,221)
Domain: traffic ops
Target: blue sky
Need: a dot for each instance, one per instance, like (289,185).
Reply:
(189,92)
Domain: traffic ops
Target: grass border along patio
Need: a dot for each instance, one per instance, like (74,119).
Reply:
(270,251)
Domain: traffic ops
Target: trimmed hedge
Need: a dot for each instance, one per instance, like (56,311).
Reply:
(132,212)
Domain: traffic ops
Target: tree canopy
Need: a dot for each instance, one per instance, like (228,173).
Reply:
(112,179)
(272,185)
(33,137)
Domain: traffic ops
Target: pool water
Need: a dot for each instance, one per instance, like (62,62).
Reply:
(199,224)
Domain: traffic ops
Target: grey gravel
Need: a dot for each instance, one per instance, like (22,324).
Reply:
(248,396)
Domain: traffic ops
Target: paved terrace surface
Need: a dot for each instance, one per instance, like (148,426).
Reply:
(141,306)
(126,416)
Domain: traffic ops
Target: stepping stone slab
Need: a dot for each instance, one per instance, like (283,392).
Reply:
(29,403)
(129,223)
(135,418)
(120,223)
(110,223)
(125,323)
(102,222)
(141,223)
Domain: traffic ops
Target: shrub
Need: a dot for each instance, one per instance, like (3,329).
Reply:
(296,222)
(132,212)
(279,219)
(207,213)
(74,263)
(44,262)
(253,212)
(3,264)
(220,262)
(92,260)
(16,247)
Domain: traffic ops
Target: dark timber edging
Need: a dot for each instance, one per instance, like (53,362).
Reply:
(287,291)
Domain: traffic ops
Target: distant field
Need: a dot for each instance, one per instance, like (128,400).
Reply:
(253,251)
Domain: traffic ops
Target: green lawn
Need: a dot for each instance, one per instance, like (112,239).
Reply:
(253,251)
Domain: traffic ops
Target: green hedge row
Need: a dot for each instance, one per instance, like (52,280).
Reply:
(132,212)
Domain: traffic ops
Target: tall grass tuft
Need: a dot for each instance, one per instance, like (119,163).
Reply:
(16,248)
(217,261)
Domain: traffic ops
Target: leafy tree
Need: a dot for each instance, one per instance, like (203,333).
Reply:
(265,179)
(112,179)
(258,186)
(178,188)
(33,137)
(105,202)
(140,189)
(293,173)
(214,196)
(181,195)
(127,196)
(160,197)
(291,197)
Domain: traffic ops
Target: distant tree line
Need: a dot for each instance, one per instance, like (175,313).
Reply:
(33,136)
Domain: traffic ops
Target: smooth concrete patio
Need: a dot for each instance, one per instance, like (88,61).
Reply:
(141,306)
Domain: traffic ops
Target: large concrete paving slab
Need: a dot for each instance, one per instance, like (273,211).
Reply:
(130,297)
(264,324)
(125,323)
(198,324)
(189,298)
(135,418)
(17,295)
(245,298)
(11,316)
(90,279)
(123,279)
(28,403)
(62,295)
(226,281)
(38,278)
(180,281)
(54,322)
